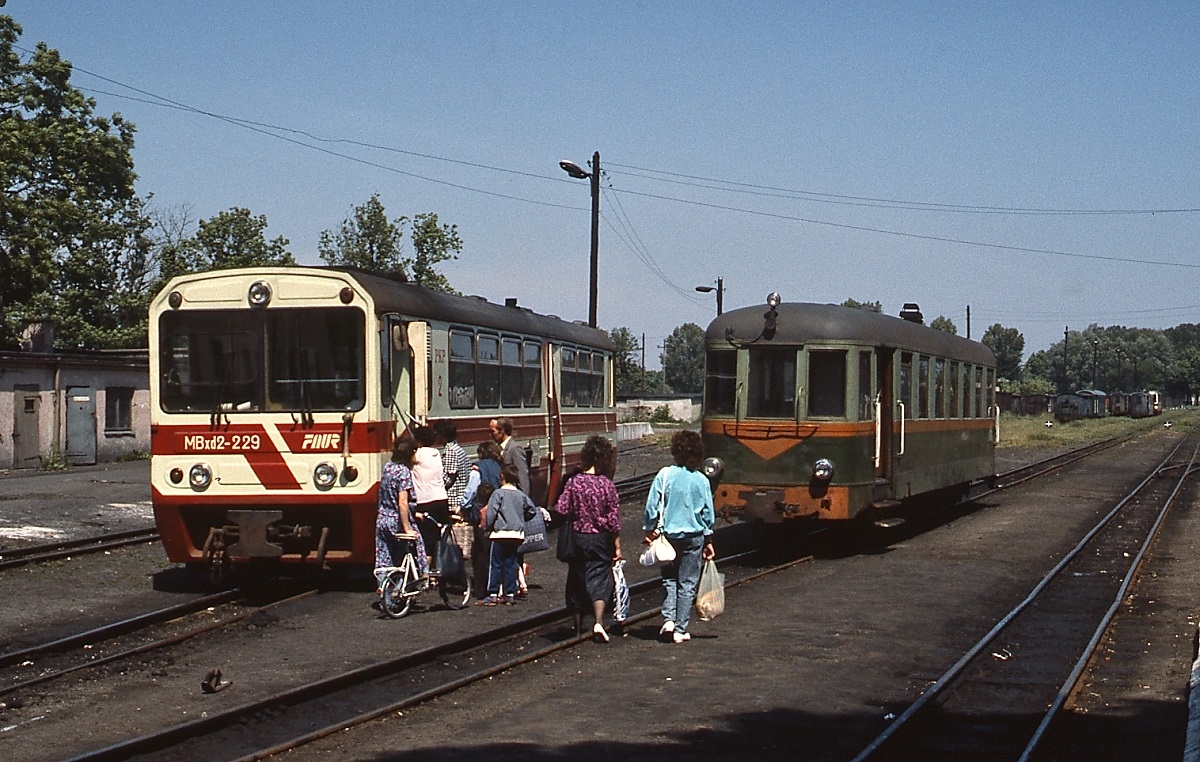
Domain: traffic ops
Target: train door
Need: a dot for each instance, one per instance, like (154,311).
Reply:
(27,403)
(408,365)
(885,417)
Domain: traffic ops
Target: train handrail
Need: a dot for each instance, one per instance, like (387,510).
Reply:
(878,429)
(901,452)
(996,412)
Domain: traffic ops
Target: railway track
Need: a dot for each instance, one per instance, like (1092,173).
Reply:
(67,548)
(127,638)
(278,723)
(1001,697)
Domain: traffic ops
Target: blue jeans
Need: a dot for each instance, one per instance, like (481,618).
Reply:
(503,567)
(680,578)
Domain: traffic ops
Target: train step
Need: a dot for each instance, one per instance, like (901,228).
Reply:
(891,523)
(886,504)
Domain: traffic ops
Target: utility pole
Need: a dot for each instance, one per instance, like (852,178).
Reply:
(968,321)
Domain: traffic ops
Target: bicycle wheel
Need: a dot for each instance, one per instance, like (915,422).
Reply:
(399,588)
(455,595)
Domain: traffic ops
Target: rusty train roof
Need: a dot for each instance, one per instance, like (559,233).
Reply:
(801,323)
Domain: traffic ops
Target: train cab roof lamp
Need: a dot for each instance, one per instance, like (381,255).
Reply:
(912,313)
(259,294)
(773,299)
(574,170)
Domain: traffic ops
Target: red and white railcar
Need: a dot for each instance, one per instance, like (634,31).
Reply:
(276,394)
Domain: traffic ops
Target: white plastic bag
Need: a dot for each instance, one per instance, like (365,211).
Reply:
(620,592)
(659,552)
(710,594)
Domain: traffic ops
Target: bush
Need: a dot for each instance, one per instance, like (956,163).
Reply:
(661,414)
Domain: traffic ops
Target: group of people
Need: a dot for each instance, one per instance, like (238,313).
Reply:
(492,494)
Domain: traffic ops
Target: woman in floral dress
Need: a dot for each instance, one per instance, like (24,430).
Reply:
(397,511)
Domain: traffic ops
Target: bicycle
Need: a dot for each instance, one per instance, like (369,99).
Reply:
(401,584)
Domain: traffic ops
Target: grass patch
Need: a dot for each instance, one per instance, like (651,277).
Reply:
(1031,431)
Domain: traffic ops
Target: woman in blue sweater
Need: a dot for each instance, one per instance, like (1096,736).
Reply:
(687,520)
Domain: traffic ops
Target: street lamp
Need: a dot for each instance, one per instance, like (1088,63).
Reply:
(720,289)
(1095,359)
(579,173)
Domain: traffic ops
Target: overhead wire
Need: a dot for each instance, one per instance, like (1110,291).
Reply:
(273,130)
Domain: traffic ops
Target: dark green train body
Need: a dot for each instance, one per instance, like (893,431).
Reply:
(827,412)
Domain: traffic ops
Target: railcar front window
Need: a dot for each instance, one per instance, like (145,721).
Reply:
(906,383)
(827,384)
(250,361)
(939,388)
(568,375)
(771,378)
(720,384)
(923,386)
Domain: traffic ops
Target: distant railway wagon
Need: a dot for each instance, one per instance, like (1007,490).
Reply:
(276,394)
(1145,404)
(815,411)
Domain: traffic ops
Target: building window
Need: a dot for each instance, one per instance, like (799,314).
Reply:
(118,410)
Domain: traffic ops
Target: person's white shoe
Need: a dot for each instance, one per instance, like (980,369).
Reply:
(666,630)
(680,637)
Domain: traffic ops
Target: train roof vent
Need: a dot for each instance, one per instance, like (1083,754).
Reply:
(912,313)
(477,297)
(510,301)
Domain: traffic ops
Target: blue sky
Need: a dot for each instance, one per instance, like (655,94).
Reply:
(854,145)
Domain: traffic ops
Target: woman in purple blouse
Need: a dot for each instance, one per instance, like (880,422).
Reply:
(590,502)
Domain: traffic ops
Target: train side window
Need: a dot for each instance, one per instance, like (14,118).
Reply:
(720,382)
(598,363)
(966,391)
(583,383)
(923,386)
(531,374)
(771,378)
(939,388)
(866,390)
(462,370)
(906,382)
(991,389)
(955,404)
(980,410)
(827,384)
(510,372)
(487,371)
(568,395)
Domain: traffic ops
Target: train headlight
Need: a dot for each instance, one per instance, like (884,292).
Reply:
(259,293)
(200,476)
(823,470)
(176,475)
(324,475)
(713,467)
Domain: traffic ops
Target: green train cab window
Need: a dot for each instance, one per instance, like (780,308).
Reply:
(955,397)
(923,386)
(771,382)
(939,388)
(827,383)
(866,390)
(720,382)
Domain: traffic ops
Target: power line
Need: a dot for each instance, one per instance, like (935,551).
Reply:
(835,198)
(270,131)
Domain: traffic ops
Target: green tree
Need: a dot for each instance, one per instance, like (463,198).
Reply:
(1008,345)
(683,359)
(235,238)
(433,243)
(872,306)
(366,240)
(631,378)
(943,323)
(70,221)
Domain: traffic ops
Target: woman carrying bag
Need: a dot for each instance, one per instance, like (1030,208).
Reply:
(681,502)
(593,510)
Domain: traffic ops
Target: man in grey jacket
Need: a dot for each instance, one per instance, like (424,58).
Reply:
(512,453)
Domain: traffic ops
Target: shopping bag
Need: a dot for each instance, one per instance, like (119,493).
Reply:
(620,592)
(535,534)
(450,562)
(659,552)
(710,594)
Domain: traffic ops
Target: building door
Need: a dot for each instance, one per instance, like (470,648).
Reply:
(27,404)
(81,425)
